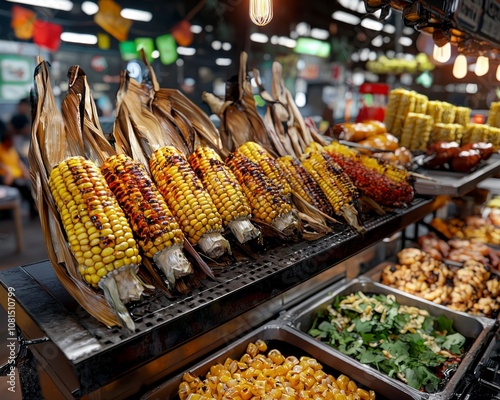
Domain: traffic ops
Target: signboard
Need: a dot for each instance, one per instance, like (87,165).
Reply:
(15,76)
(480,17)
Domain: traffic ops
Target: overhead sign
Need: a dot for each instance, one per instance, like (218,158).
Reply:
(480,17)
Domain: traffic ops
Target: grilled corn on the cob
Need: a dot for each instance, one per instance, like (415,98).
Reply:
(225,191)
(447,133)
(188,200)
(494,114)
(416,131)
(338,188)
(304,184)
(256,153)
(266,200)
(158,233)
(97,230)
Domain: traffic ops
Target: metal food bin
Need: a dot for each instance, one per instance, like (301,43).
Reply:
(474,328)
(288,341)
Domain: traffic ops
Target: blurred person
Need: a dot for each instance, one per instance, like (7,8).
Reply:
(20,128)
(24,107)
(13,172)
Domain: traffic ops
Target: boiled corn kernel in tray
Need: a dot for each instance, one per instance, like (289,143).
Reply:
(273,376)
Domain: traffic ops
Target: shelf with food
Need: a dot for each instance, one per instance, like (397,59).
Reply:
(171,332)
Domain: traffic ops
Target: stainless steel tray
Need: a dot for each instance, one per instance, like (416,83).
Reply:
(474,328)
(289,342)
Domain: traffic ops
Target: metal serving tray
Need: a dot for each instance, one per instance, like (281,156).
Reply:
(289,342)
(474,328)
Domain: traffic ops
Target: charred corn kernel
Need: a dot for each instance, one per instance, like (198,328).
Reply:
(304,184)
(221,184)
(185,194)
(337,186)
(373,183)
(256,153)
(265,198)
(79,182)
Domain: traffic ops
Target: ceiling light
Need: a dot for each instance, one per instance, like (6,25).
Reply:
(223,62)
(275,39)
(136,15)
(460,67)
(303,29)
(261,11)
(64,5)
(482,66)
(369,23)
(320,34)
(155,54)
(347,3)
(378,41)
(498,73)
(390,29)
(408,31)
(346,17)
(216,45)
(387,39)
(442,54)
(78,38)
(471,88)
(287,42)
(196,28)
(90,8)
(186,51)
(405,41)
(361,8)
(259,37)
(300,99)
(226,46)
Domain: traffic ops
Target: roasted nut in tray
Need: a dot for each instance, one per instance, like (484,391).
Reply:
(273,376)
(471,288)
(399,340)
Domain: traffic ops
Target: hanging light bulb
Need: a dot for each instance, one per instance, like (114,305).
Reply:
(498,73)
(442,54)
(261,11)
(460,67)
(482,65)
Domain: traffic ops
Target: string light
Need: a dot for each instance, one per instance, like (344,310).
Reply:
(460,67)
(442,54)
(261,11)
(498,73)
(482,66)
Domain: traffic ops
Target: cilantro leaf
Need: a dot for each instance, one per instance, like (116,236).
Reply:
(444,324)
(454,342)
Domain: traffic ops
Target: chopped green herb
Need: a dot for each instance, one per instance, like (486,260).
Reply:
(400,341)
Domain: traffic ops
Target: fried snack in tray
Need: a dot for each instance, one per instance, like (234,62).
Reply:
(459,250)
(471,288)
(257,375)
(481,229)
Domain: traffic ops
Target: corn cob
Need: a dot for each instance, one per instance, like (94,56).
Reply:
(97,230)
(225,191)
(449,113)
(396,174)
(405,106)
(407,134)
(494,114)
(256,153)
(474,133)
(422,131)
(377,186)
(396,96)
(266,200)
(435,110)
(446,133)
(158,233)
(338,188)
(462,115)
(493,136)
(188,200)
(420,103)
(304,184)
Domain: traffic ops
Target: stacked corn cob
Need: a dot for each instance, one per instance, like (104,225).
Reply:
(416,131)
(401,102)
(189,201)
(388,186)
(446,133)
(266,200)
(337,186)
(225,191)
(462,115)
(158,232)
(441,111)
(494,114)
(304,184)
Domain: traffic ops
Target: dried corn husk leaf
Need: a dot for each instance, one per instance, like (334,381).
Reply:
(47,149)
